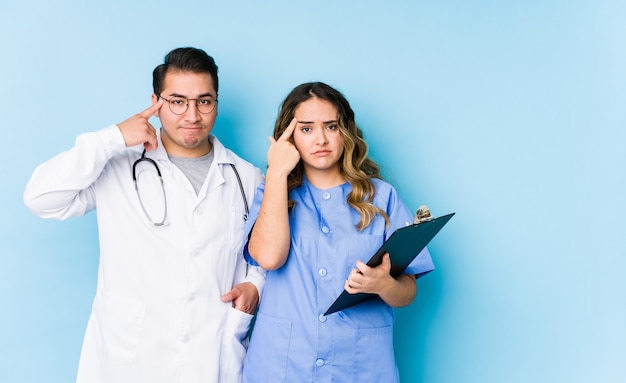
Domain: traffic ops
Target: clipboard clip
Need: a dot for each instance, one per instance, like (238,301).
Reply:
(422,215)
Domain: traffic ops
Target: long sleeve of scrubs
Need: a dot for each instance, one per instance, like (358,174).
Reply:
(157,315)
(292,340)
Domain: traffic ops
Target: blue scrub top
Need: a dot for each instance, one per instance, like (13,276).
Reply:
(292,340)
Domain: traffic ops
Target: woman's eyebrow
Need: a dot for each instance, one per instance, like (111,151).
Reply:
(323,122)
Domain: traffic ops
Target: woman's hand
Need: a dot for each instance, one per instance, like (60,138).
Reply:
(396,292)
(282,156)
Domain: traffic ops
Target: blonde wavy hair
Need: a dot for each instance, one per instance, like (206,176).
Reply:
(355,166)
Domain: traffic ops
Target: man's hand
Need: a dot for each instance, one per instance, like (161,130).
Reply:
(138,130)
(244,296)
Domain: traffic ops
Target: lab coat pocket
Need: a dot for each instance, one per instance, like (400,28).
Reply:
(118,323)
(234,344)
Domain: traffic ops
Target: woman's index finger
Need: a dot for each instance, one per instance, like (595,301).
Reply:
(289,131)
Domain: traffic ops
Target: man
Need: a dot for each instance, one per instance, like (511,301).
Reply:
(174,296)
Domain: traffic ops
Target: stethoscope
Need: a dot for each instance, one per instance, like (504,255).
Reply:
(162,221)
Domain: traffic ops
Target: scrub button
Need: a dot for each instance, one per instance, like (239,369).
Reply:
(326,195)
(319,362)
(322,272)
(325,229)
(322,318)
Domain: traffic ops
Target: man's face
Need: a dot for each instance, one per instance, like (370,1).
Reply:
(186,134)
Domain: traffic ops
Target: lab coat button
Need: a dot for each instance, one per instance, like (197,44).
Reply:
(322,272)
(325,229)
(186,339)
(319,362)
(191,297)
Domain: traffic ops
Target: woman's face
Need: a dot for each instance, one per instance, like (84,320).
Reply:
(317,137)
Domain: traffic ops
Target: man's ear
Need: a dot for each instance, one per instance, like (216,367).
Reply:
(155,99)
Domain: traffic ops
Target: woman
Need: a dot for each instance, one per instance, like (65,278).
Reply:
(322,210)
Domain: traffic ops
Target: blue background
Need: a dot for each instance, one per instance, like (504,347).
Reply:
(509,113)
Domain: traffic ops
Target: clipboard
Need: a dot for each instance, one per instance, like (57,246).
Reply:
(403,246)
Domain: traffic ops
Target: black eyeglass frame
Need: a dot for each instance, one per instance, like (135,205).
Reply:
(169,103)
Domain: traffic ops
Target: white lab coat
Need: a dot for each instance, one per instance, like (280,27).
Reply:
(157,314)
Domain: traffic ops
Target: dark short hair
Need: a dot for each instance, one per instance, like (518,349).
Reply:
(187,59)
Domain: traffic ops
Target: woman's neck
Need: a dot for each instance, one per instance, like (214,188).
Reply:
(324,179)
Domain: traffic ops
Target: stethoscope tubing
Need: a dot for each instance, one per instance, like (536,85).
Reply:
(158,170)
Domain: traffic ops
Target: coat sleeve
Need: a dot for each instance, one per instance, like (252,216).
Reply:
(62,187)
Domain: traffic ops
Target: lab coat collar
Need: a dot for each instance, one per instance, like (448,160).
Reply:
(221,157)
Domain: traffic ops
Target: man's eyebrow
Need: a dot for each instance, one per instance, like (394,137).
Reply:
(200,96)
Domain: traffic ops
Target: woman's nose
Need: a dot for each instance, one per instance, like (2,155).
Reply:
(321,137)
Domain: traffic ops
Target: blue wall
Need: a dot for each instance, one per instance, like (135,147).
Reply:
(509,113)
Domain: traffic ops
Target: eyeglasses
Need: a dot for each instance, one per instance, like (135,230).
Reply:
(179,105)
